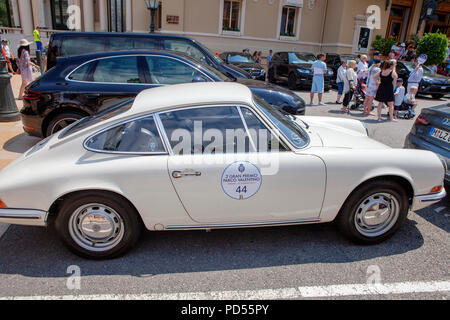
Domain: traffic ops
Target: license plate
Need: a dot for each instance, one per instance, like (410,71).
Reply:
(440,134)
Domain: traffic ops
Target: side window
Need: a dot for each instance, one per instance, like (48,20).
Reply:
(81,45)
(138,136)
(116,43)
(81,73)
(284,57)
(185,47)
(207,130)
(117,70)
(168,71)
(262,137)
(145,43)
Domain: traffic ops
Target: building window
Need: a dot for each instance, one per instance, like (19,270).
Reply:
(116,18)
(231,14)
(288,16)
(59,14)
(6,14)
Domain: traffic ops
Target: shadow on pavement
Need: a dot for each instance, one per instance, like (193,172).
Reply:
(36,252)
(438,214)
(20,143)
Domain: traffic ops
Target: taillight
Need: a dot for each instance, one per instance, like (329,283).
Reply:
(31,94)
(421,121)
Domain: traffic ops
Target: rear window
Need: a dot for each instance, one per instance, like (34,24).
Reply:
(109,111)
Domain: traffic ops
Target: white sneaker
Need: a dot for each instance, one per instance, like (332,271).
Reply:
(322,104)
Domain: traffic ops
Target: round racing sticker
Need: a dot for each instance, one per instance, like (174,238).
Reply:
(241,180)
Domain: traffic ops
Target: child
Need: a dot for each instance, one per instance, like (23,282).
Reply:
(410,100)
(399,94)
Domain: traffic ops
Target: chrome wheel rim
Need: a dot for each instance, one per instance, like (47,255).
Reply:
(377,214)
(96,227)
(63,123)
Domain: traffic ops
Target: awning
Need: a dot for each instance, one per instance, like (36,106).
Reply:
(294,3)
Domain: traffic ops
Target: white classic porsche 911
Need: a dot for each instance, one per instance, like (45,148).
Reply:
(212,155)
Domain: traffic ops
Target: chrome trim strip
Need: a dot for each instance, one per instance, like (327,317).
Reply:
(24,217)
(239,225)
(422,201)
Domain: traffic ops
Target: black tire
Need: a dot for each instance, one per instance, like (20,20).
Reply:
(60,121)
(130,228)
(271,77)
(292,82)
(347,222)
(437,96)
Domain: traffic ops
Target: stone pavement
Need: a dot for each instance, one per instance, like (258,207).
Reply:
(13,141)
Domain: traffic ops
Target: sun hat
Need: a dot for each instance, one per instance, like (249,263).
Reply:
(24,43)
(403,45)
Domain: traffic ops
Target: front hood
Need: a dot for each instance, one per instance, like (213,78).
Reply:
(341,133)
(436,78)
(259,84)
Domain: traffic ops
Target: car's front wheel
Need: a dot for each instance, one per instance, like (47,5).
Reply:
(292,82)
(374,212)
(98,225)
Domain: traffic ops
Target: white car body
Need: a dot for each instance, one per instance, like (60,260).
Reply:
(311,185)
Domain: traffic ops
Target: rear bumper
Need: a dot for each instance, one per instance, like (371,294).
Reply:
(422,201)
(24,217)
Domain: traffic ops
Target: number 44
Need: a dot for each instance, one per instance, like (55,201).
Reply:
(241,189)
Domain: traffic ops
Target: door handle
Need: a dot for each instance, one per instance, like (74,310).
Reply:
(179,174)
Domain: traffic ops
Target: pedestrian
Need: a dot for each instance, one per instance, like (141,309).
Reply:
(259,57)
(319,68)
(255,56)
(416,76)
(362,68)
(7,55)
(392,55)
(24,65)
(269,56)
(410,99)
(372,86)
(385,93)
(340,80)
(399,94)
(350,81)
(37,39)
(376,55)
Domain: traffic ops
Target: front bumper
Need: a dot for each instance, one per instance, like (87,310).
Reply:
(422,201)
(432,88)
(24,217)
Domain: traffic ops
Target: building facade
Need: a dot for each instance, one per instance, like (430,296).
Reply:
(342,26)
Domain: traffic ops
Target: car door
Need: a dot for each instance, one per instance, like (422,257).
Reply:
(98,82)
(283,66)
(228,167)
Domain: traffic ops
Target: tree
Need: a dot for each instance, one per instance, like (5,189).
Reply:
(434,45)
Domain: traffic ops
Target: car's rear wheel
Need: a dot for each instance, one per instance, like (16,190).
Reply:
(98,225)
(270,76)
(292,82)
(374,212)
(61,121)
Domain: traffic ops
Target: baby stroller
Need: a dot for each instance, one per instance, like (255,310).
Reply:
(358,96)
(406,111)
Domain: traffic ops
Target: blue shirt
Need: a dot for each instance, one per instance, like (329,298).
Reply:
(318,68)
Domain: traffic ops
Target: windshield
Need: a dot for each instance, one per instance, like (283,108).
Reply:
(412,66)
(301,58)
(99,117)
(289,128)
(240,57)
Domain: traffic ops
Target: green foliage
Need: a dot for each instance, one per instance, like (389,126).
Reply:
(383,45)
(434,45)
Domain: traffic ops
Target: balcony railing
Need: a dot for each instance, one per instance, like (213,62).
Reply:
(8,30)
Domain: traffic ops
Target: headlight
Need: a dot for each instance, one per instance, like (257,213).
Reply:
(263,71)
(302,70)
(330,72)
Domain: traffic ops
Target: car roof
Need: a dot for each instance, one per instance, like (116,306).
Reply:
(91,56)
(120,35)
(189,94)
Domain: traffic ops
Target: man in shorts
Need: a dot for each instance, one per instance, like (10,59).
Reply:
(319,69)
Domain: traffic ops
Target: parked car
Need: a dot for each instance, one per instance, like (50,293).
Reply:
(84,85)
(212,155)
(66,44)
(334,61)
(431,131)
(245,62)
(294,68)
(432,83)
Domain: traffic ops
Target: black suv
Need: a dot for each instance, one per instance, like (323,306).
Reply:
(295,69)
(67,44)
(334,61)
(245,62)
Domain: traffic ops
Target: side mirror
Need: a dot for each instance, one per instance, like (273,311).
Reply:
(198,79)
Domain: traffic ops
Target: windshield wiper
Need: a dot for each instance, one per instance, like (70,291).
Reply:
(295,118)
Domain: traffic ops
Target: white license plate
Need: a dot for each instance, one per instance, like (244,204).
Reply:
(440,134)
